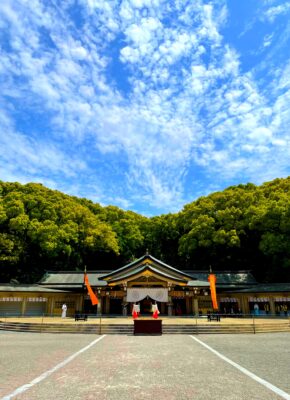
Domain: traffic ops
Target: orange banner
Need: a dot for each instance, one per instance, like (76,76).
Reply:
(212,282)
(92,295)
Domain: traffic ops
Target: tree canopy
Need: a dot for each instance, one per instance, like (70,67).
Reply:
(242,227)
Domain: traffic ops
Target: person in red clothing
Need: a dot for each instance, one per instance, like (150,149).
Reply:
(155,311)
(135,311)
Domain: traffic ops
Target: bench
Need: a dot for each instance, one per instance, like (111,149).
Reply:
(213,317)
(80,316)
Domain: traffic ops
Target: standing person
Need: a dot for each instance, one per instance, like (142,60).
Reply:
(256,309)
(155,310)
(64,309)
(135,310)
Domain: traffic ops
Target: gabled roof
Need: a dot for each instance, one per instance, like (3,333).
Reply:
(147,263)
(143,268)
(74,279)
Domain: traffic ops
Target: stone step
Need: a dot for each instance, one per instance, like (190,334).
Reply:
(127,329)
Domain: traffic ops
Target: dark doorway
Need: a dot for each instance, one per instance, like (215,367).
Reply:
(89,308)
(115,306)
(146,306)
(179,307)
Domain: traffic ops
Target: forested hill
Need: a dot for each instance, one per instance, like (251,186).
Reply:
(242,227)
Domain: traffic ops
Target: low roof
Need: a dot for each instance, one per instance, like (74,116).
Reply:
(198,283)
(7,287)
(230,278)
(71,279)
(267,287)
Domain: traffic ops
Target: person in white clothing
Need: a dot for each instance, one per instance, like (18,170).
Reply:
(64,309)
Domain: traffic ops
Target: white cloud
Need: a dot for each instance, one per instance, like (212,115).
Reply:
(179,99)
(273,12)
(144,31)
(268,40)
(260,135)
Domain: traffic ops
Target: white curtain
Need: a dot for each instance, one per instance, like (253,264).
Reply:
(138,294)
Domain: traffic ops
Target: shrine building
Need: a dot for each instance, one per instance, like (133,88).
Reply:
(145,281)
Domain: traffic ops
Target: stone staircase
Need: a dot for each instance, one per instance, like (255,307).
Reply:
(224,328)
(49,328)
(127,329)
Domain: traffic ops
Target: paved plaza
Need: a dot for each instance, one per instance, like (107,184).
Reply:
(144,367)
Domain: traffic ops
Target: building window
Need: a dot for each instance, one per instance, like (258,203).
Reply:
(69,304)
(206,304)
(11,299)
(37,299)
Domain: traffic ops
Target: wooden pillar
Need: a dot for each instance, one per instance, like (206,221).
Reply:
(100,305)
(245,305)
(23,306)
(195,305)
(125,306)
(80,303)
(107,304)
(272,305)
(169,304)
(51,304)
(162,308)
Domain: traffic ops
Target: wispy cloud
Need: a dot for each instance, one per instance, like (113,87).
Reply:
(124,103)
(273,12)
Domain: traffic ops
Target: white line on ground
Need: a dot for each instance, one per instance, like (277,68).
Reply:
(43,376)
(263,382)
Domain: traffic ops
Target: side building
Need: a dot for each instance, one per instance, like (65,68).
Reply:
(145,281)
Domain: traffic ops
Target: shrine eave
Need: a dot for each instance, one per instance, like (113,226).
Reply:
(143,268)
(147,260)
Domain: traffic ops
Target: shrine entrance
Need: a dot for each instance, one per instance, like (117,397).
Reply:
(146,306)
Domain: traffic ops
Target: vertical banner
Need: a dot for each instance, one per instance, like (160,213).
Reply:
(93,297)
(212,282)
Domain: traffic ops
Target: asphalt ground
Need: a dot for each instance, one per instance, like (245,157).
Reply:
(171,367)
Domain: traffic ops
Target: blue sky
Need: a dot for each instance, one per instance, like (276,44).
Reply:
(144,104)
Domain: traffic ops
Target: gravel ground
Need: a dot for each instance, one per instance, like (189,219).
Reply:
(145,367)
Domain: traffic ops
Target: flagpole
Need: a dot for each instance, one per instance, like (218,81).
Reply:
(84,288)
